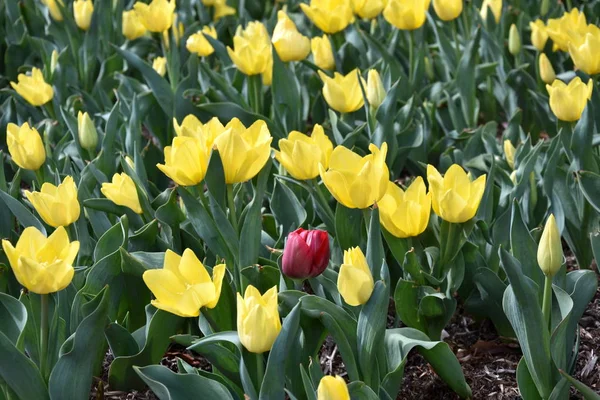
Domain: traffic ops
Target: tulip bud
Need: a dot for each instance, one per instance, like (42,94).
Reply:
(306,254)
(160,65)
(375,90)
(25,146)
(331,388)
(429,69)
(546,71)
(509,152)
(88,136)
(568,102)
(53,61)
(514,40)
(550,253)
(322,52)
(545,7)
(83,10)
(258,323)
(355,281)
(513,177)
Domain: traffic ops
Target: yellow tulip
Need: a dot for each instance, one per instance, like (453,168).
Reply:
(198,44)
(300,154)
(243,151)
(571,26)
(368,9)
(355,281)
(258,323)
(355,181)
(514,40)
(330,16)
(186,161)
(322,52)
(331,388)
(454,197)
(568,101)
(83,10)
(546,70)
(375,90)
(405,214)
(495,6)
(122,191)
(156,16)
(25,146)
(539,34)
(251,51)
(448,10)
(207,133)
(586,56)
(509,153)
(406,14)
(342,92)
(88,136)
(183,286)
(550,252)
(57,205)
(290,44)
(132,25)
(159,64)
(54,8)
(222,10)
(42,264)
(33,88)
(267,76)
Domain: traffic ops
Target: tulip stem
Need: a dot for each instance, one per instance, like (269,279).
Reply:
(43,334)
(411,56)
(255,93)
(328,217)
(547,302)
(231,205)
(455,38)
(260,369)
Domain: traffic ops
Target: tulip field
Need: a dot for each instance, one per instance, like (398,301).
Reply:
(299,199)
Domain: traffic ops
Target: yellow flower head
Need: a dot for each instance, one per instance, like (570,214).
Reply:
(33,88)
(355,281)
(405,214)
(290,44)
(572,26)
(198,44)
(375,90)
(509,153)
(331,388)
(407,15)
(183,286)
(132,25)
(301,155)
(251,51)
(568,101)
(368,9)
(586,56)
(550,253)
(83,10)
(258,322)
(322,52)
(222,10)
(342,92)
(355,181)
(186,161)
(57,205)
(159,64)
(86,131)
(330,16)
(122,191)
(54,8)
(42,265)
(156,16)
(25,146)
(243,151)
(448,10)
(539,34)
(495,6)
(454,197)
(546,70)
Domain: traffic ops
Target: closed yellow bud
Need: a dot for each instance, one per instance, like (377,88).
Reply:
(406,15)
(546,70)
(322,52)
(25,146)
(183,285)
(244,151)
(290,44)
(342,92)
(405,214)
(132,25)
(83,10)
(448,10)
(513,177)
(88,136)
(509,153)
(198,44)
(251,51)
(222,10)
(57,205)
(550,252)
(122,191)
(331,388)
(586,56)
(568,101)
(258,323)
(375,90)
(156,16)
(355,281)
(301,155)
(330,16)
(495,6)
(570,27)
(42,264)
(267,76)
(368,9)
(33,88)
(53,61)
(186,161)
(454,197)
(514,40)
(159,64)
(54,8)
(355,181)
(539,34)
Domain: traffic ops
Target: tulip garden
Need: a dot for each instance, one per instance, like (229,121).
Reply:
(299,199)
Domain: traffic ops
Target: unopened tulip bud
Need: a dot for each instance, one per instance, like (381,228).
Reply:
(429,69)
(88,136)
(53,61)
(547,73)
(332,388)
(375,90)
(83,10)
(545,7)
(160,65)
(550,253)
(514,40)
(513,177)
(509,152)
(306,254)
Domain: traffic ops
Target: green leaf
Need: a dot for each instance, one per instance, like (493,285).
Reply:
(375,253)
(13,315)
(587,392)
(523,247)
(360,391)
(348,224)
(589,183)
(23,215)
(467,86)
(525,381)
(285,89)
(287,209)
(120,341)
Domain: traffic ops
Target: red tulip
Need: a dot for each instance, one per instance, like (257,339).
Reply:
(306,254)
